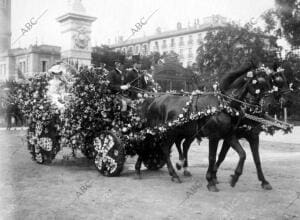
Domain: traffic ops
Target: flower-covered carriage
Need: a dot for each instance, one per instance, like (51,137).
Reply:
(78,110)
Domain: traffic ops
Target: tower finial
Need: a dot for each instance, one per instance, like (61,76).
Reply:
(76,6)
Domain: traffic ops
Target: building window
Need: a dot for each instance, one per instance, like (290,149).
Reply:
(2,69)
(190,54)
(130,51)
(199,38)
(181,53)
(190,39)
(172,42)
(156,45)
(22,66)
(181,43)
(3,3)
(137,49)
(44,66)
(164,45)
(145,50)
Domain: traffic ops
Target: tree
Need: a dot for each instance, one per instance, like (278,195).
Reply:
(171,57)
(270,17)
(106,55)
(232,46)
(288,13)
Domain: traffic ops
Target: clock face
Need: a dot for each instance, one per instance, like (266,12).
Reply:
(81,38)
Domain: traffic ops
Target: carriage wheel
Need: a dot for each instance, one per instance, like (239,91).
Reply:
(110,154)
(154,160)
(42,149)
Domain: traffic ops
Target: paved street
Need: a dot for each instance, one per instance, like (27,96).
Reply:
(73,189)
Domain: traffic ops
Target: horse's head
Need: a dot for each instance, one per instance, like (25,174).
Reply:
(253,87)
(258,82)
(279,94)
(281,88)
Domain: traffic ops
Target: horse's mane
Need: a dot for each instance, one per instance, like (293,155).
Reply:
(234,79)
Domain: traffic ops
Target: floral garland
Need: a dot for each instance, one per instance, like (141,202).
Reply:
(132,139)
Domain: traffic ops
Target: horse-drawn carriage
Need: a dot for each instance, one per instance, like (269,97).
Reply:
(80,111)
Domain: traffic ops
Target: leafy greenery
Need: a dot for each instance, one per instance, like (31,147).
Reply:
(106,55)
(230,47)
(288,13)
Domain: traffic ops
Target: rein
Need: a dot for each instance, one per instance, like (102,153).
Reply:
(198,94)
(136,78)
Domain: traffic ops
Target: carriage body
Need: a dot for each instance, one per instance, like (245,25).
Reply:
(82,113)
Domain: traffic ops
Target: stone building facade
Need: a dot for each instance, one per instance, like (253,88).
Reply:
(183,41)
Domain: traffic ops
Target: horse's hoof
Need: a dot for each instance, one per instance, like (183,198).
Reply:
(215,181)
(212,188)
(233,180)
(174,178)
(266,186)
(178,166)
(187,173)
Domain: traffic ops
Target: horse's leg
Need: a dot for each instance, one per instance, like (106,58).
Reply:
(17,121)
(254,146)
(186,146)
(138,165)
(221,157)
(180,163)
(166,147)
(9,121)
(213,145)
(242,154)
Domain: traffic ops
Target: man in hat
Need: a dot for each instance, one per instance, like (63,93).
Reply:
(116,79)
(117,85)
(134,77)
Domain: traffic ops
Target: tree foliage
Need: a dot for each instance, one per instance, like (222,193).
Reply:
(288,13)
(232,46)
(106,55)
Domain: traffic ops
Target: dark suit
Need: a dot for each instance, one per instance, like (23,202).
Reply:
(133,77)
(116,79)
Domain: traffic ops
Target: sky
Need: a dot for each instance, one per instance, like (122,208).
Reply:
(117,17)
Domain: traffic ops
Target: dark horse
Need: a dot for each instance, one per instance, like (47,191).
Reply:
(250,130)
(218,126)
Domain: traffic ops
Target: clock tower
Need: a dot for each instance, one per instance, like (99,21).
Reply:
(76,34)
